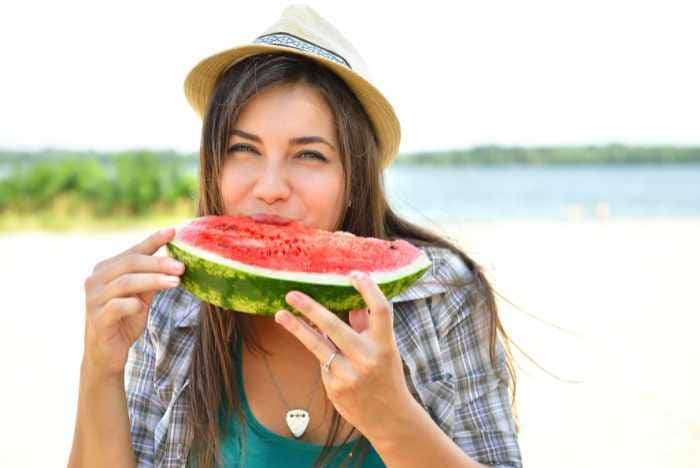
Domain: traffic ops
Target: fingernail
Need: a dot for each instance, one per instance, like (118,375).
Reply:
(296,297)
(282,317)
(357,275)
(176,265)
(174,280)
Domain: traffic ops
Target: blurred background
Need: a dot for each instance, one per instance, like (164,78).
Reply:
(556,142)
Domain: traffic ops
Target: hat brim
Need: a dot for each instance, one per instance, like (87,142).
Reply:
(200,82)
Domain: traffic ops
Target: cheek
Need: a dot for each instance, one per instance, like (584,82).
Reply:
(233,187)
(322,197)
(322,191)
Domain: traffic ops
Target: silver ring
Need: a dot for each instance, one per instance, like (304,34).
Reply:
(327,365)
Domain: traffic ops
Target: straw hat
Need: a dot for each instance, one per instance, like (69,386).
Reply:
(302,31)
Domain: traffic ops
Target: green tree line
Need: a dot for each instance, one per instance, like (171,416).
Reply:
(130,183)
(609,154)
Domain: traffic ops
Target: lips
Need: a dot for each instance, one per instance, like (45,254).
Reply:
(271,219)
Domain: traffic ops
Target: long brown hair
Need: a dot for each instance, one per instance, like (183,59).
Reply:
(369,215)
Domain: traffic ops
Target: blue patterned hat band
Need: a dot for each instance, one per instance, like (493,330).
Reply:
(289,40)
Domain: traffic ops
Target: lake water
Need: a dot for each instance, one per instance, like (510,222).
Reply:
(482,193)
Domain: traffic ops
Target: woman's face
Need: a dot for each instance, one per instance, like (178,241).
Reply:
(267,171)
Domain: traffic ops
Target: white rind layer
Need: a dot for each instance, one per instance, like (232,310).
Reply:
(419,263)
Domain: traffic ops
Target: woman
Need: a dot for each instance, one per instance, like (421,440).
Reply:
(293,128)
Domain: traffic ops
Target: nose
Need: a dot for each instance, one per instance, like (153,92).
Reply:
(272,184)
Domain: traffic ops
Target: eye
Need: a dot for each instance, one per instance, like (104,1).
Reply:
(240,147)
(244,147)
(315,155)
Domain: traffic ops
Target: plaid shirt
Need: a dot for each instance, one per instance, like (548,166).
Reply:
(443,341)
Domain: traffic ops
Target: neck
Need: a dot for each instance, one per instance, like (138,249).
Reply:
(274,337)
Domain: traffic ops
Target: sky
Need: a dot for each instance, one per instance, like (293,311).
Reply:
(108,76)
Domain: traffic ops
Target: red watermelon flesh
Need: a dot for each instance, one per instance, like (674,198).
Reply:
(295,247)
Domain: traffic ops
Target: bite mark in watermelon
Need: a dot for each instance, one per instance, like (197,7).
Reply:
(249,265)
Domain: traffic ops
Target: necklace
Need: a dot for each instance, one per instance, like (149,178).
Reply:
(297,419)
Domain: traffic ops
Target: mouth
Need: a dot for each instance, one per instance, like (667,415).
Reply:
(271,219)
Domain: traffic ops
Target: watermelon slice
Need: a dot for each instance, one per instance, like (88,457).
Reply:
(248,264)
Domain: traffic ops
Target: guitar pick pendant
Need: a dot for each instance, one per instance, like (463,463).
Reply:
(297,420)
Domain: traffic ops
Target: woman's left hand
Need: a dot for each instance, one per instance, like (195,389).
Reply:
(365,382)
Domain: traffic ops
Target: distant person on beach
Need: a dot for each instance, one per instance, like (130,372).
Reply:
(292,126)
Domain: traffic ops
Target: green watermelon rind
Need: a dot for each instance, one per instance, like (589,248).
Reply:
(245,288)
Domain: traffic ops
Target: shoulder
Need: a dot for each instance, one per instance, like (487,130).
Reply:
(463,298)
(448,291)
(449,276)
(447,268)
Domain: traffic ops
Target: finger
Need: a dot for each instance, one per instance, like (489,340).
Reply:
(329,323)
(312,340)
(359,319)
(118,308)
(381,313)
(148,246)
(140,263)
(136,283)
(152,243)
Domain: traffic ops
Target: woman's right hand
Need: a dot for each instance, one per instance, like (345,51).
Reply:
(118,296)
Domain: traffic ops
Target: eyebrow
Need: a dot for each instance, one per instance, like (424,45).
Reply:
(295,141)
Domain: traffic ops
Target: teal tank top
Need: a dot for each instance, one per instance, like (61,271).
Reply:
(266,449)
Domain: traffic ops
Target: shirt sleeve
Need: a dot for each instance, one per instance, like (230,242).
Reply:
(484,426)
(145,408)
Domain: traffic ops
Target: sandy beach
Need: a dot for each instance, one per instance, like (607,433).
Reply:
(610,308)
